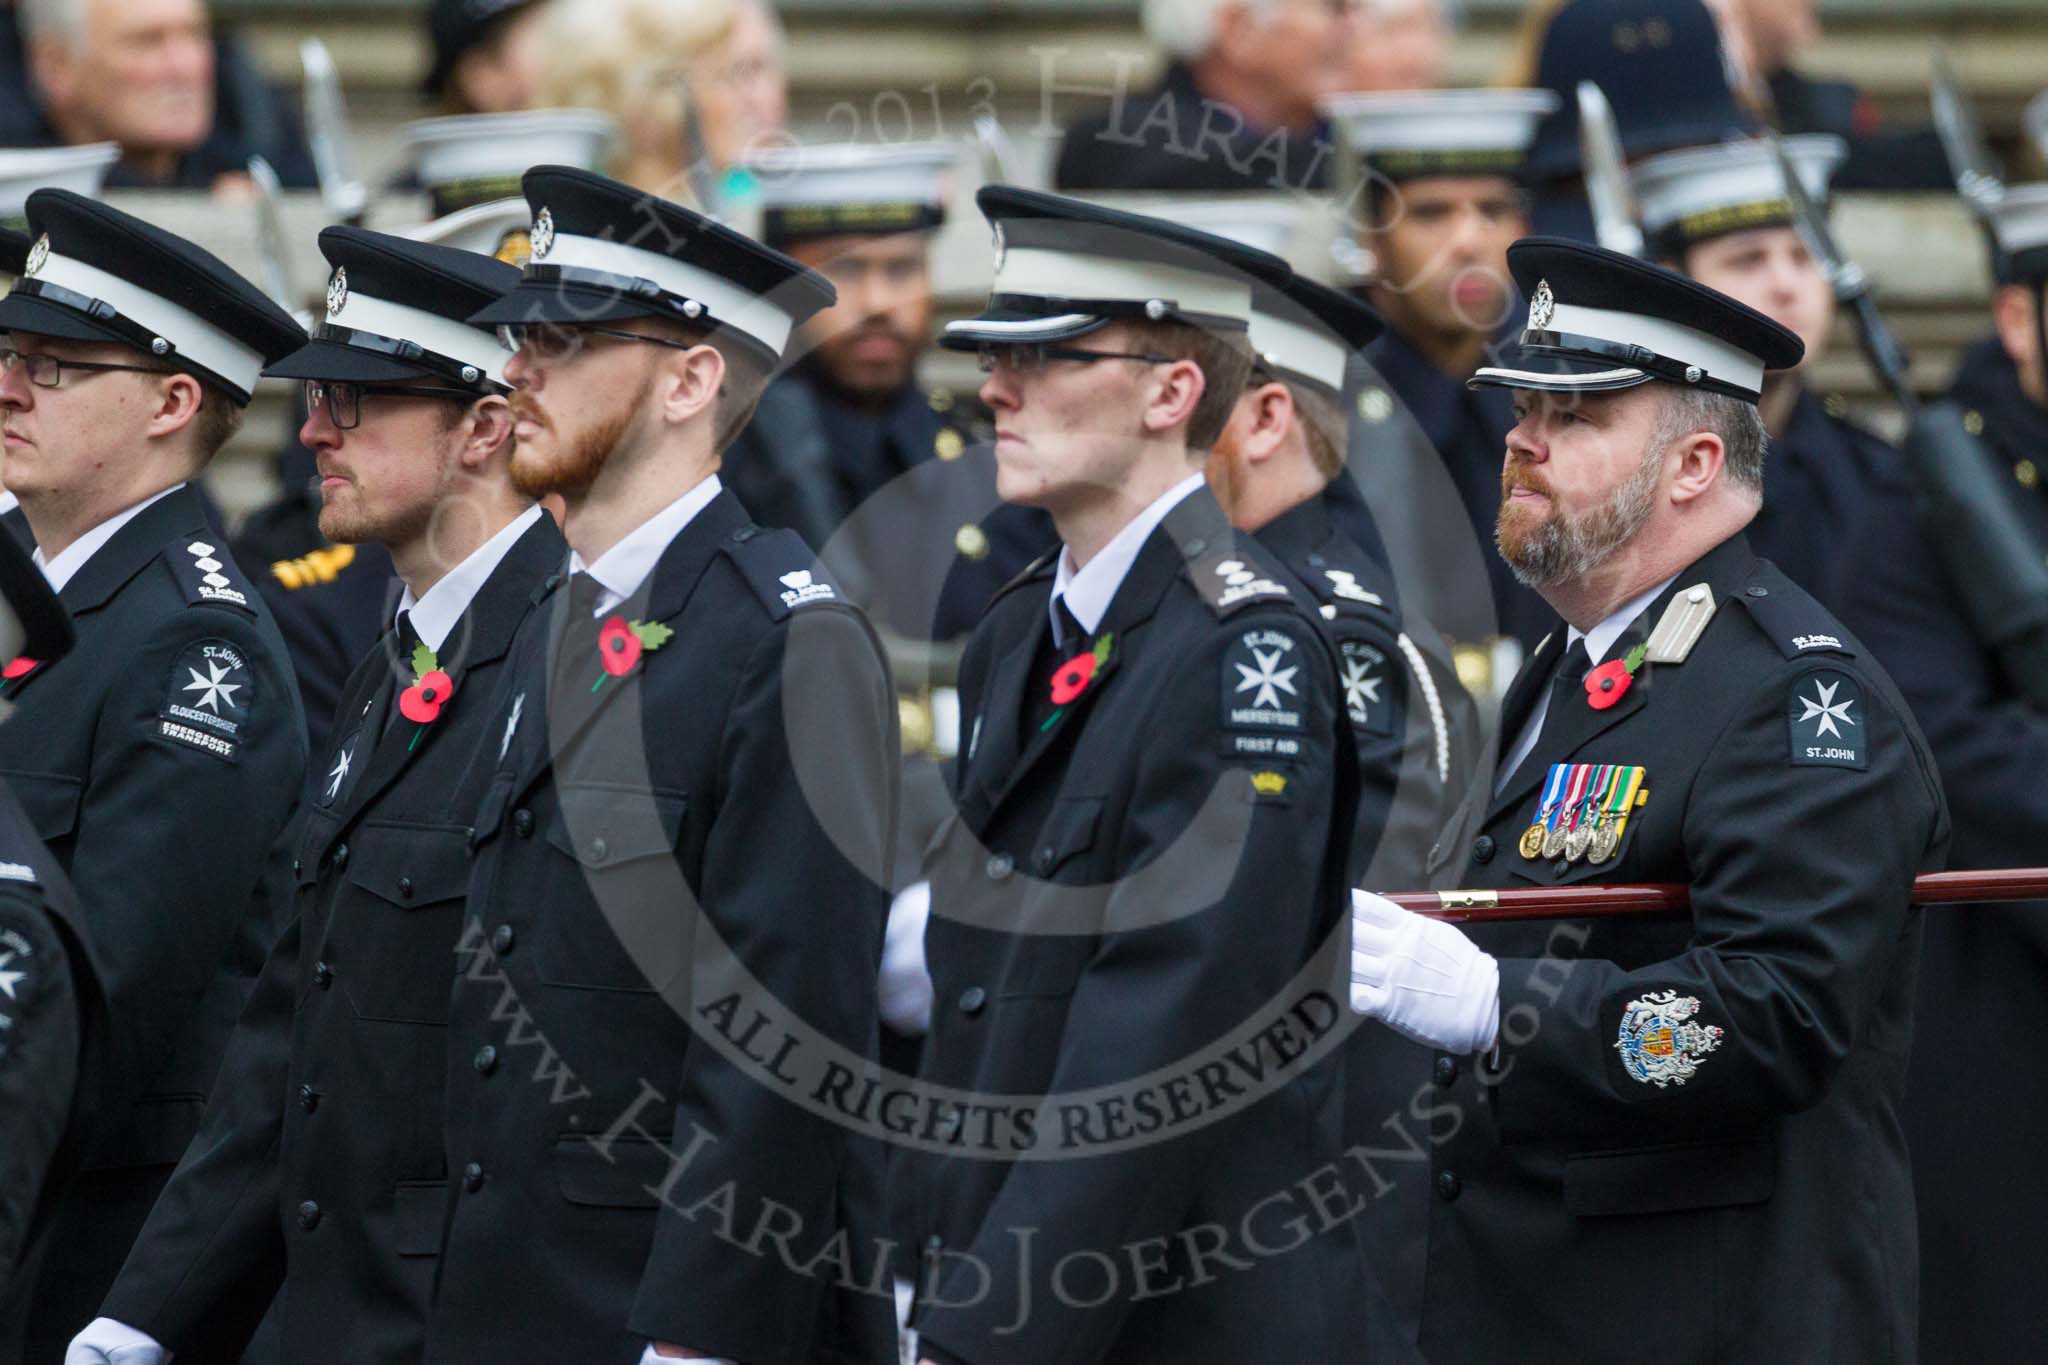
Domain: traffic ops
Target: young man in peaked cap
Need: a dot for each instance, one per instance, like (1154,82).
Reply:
(1721,214)
(686,825)
(1154,804)
(1715,1094)
(162,757)
(319,1174)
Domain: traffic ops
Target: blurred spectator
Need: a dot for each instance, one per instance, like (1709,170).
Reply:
(1237,106)
(186,107)
(487,54)
(633,59)
(740,87)
(1769,35)
(1396,45)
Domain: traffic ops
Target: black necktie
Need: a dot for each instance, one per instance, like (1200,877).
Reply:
(577,650)
(402,673)
(1567,690)
(1072,637)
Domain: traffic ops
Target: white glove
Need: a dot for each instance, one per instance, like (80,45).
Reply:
(107,1342)
(1421,977)
(906,987)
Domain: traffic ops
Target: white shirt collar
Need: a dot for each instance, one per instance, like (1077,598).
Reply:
(622,569)
(1601,638)
(1089,589)
(434,615)
(73,557)
(8,502)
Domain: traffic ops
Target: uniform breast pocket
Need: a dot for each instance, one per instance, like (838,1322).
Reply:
(619,843)
(392,944)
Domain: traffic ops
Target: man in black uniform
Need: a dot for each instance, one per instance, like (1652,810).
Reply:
(1154,805)
(318,1172)
(1721,215)
(1438,202)
(53,1020)
(1710,1100)
(1980,988)
(162,757)
(686,826)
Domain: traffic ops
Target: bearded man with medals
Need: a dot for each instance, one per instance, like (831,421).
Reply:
(1713,1093)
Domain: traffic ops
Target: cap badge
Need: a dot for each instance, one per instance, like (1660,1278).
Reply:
(38,254)
(543,234)
(1542,304)
(337,292)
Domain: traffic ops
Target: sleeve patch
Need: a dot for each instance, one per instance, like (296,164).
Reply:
(1827,721)
(17,961)
(208,698)
(1660,1040)
(1363,669)
(1263,682)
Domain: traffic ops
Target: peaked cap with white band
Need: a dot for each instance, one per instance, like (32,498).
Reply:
(1695,195)
(1600,320)
(606,252)
(398,309)
(468,159)
(1065,268)
(98,274)
(849,188)
(1305,332)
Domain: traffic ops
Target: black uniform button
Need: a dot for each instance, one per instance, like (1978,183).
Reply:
(309,1215)
(296,865)
(323,975)
(1446,1070)
(1759,592)
(486,1060)
(340,855)
(1043,859)
(1000,866)
(502,939)
(599,849)
(472,1177)
(1194,548)
(522,823)
(1560,867)
(933,1245)
(971,1000)
(1448,1185)
(405,888)
(309,1098)
(1482,849)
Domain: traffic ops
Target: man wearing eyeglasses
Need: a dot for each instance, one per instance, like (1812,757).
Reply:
(1155,799)
(319,1173)
(160,759)
(689,804)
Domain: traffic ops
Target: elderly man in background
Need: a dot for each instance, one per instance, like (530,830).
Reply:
(187,108)
(1397,45)
(1236,108)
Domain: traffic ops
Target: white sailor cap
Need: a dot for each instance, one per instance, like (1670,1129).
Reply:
(472,159)
(1405,135)
(1065,268)
(1690,196)
(843,188)
(498,229)
(1600,320)
(24,170)
(2018,220)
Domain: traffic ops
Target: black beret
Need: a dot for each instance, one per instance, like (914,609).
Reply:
(98,274)
(387,290)
(456,26)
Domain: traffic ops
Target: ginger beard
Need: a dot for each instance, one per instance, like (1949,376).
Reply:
(1559,546)
(569,467)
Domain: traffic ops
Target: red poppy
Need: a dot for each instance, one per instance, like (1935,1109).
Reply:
(20,666)
(618,647)
(1606,684)
(1072,678)
(422,702)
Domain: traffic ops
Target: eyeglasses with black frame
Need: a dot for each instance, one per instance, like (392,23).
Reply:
(1032,357)
(47,371)
(550,343)
(343,398)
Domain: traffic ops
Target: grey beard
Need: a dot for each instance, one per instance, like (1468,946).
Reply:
(1562,549)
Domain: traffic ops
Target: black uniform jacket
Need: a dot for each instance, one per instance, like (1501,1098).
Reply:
(1688,1147)
(319,1167)
(160,760)
(1819,480)
(661,856)
(1129,888)
(53,1021)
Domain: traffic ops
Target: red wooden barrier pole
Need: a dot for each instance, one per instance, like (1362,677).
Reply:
(1588,902)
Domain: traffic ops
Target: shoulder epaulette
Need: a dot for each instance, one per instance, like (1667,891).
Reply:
(319,566)
(1229,579)
(1795,623)
(206,576)
(1339,591)
(781,570)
